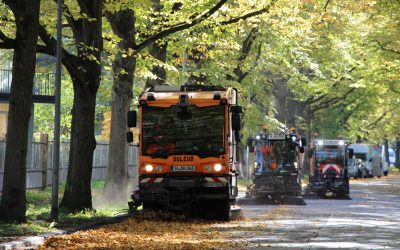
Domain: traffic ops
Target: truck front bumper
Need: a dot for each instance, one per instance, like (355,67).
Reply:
(333,185)
(275,184)
(177,189)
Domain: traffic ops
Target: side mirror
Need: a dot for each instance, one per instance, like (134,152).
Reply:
(129,137)
(236,121)
(310,153)
(351,153)
(303,141)
(301,149)
(132,119)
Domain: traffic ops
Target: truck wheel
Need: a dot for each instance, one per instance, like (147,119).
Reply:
(385,173)
(224,210)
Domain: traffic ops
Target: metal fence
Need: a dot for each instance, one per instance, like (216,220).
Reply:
(43,84)
(40,163)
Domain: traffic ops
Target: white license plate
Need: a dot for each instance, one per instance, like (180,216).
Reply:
(183,168)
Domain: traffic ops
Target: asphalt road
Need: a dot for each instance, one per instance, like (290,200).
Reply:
(369,220)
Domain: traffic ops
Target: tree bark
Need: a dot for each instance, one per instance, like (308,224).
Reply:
(77,195)
(386,144)
(159,52)
(122,23)
(13,200)
(280,94)
(85,71)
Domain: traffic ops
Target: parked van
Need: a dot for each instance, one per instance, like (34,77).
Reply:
(362,153)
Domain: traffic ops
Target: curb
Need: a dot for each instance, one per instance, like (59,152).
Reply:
(35,241)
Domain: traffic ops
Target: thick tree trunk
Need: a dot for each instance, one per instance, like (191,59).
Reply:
(159,52)
(77,195)
(13,200)
(115,189)
(85,71)
(386,144)
(280,94)
(291,110)
(117,171)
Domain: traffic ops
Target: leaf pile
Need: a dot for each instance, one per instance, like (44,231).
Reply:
(151,230)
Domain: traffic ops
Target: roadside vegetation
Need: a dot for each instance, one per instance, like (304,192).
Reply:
(39,220)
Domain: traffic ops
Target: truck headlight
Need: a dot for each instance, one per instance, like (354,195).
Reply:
(148,168)
(217,167)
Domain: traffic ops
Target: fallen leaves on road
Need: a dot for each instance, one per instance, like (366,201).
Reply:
(152,230)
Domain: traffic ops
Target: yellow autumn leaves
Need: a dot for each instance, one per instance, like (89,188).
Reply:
(151,231)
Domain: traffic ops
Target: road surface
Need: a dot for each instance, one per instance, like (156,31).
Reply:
(369,220)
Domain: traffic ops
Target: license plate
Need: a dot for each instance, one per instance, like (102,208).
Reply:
(183,168)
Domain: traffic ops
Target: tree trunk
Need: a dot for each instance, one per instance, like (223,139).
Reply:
(291,110)
(159,52)
(309,136)
(85,71)
(117,171)
(386,143)
(77,195)
(13,200)
(280,94)
(115,189)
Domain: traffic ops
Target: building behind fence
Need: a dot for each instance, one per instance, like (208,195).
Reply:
(39,166)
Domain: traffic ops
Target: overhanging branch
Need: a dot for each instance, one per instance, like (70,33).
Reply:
(6,42)
(266,9)
(179,27)
(383,47)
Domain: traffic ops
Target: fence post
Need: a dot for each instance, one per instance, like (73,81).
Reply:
(44,142)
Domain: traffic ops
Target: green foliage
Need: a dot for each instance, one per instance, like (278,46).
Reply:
(38,214)
(44,113)
(341,60)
